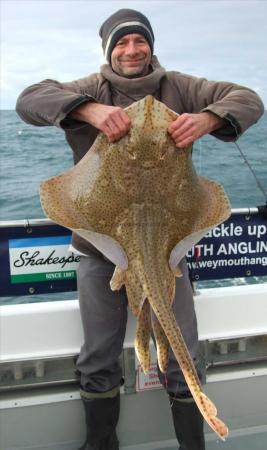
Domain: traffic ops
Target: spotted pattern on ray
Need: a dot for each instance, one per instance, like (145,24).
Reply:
(142,204)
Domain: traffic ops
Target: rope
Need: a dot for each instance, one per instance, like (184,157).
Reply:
(200,156)
(260,186)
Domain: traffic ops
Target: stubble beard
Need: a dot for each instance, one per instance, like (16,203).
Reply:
(135,74)
(132,72)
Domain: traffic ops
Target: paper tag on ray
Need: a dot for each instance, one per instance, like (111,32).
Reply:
(151,380)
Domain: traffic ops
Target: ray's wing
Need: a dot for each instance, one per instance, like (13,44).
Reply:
(81,199)
(215,209)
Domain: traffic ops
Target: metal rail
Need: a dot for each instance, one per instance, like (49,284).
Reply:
(37,222)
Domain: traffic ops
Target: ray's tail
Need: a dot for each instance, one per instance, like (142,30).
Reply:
(168,322)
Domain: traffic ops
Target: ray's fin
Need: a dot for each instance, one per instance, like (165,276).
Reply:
(142,338)
(162,345)
(135,294)
(118,279)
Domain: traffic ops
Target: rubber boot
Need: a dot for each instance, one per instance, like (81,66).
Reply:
(102,416)
(188,424)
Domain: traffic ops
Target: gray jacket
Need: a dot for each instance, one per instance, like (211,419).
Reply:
(49,103)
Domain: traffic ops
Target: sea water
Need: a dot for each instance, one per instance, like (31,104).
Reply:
(31,154)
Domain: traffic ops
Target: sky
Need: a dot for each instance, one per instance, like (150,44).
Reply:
(58,39)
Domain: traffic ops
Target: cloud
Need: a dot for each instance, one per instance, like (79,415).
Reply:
(59,39)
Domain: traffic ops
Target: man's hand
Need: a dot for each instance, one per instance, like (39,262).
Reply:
(112,120)
(187,128)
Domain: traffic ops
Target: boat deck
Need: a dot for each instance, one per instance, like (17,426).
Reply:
(255,441)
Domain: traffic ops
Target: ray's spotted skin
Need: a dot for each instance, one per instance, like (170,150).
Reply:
(141,203)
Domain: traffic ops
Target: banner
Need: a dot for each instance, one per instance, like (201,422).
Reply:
(41,263)
(41,259)
(236,248)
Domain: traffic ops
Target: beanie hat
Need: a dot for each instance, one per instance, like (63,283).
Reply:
(124,21)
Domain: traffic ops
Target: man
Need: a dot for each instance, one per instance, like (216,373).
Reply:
(82,108)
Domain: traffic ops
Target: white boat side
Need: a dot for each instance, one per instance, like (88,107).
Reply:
(52,417)
(38,330)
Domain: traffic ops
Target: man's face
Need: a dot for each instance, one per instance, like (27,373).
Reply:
(131,56)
